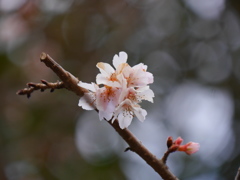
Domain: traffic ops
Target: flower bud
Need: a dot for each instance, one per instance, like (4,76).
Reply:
(169,141)
(189,148)
(178,141)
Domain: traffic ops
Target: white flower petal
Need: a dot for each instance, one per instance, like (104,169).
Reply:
(107,98)
(126,71)
(139,77)
(140,66)
(124,119)
(140,113)
(123,67)
(105,68)
(145,93)
(105,115)
(87,101)
(101,79)
(149,77)
(92,87)
(122,58)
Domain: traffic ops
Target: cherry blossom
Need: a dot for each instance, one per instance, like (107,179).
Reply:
(108,75)
(103,99)
(126,111)
(138,76)
(118,91)
(107,98)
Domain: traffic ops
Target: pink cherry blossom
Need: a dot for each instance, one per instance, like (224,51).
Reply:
(126,111)
(108,75)
(107,98)
(103,99)
(138,76)
(118,91)
(136,95)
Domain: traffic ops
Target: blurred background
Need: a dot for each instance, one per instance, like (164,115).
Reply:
(192,48)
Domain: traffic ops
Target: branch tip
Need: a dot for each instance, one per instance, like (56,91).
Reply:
(19,92)
(43,56)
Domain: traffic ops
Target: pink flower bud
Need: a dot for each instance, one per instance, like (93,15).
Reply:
(189,148)
(174,144)
(178,141)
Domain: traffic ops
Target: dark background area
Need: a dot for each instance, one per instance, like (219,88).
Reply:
(193,50)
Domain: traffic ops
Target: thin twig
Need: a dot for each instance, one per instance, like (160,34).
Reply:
(70,82)
(165,156)
(42,86)
(238,175)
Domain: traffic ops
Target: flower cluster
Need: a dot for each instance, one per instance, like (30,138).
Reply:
(118,91)
(189,148)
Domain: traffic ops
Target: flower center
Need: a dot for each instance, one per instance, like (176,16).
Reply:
(113,77)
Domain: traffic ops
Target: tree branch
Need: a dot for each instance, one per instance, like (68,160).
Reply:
(70,82)
(42,86)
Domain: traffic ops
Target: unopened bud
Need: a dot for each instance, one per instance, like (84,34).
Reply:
(169,141)
(178,141)
(189,148)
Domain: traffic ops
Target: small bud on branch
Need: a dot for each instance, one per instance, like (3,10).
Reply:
(169,141)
